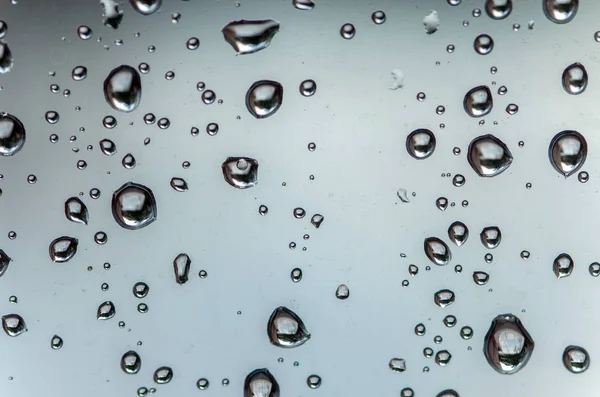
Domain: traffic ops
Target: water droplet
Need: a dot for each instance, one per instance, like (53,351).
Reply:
(421,96)
(450,321)
(398,364)
(264,98)
(181,267)
(491,237)
(56,342)
(296,275)
(431,22)
(142,391)
(140,290)
(95,193)
(476,12)
(575,79)
(448,393)
(263,210)
(144,68)
(458,180)
(444,298)
(163,123)
(163,375)
(208,97)
(437,251)
(583,177)
(594,269)
(52,117)
(443,357)
(342,292)
(403,195)
(170,75)
(131,363)
(79,73)
(106,311)
(305,5)
(6,58)
(560,11)
(108,147)
(378,17)
(576,359)
(76,211)
(13,324)
(247,37)
(489,156)
(84,32)
(450,48)
(112,15)
(420,329)
(498,9)
(563,265)
(134,206)
(567,152)
(146,7)
(109,122)
(240,172)
(123,88)
(478,101)
(63,249)
(317,220)
(488,258)
(481,278)
(12,134)
(202,384)
(483,44)
(507,344)
(128,161)
(441,203)
(420,144)
(179,184)
(286,329)
(313,381)
(308,88)
(260,383)
(458,233)
(466,332)
(100,238)
(347,31)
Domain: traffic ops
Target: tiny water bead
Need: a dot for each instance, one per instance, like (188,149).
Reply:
(296,275)
(250,36)
(259,383)
(131,363)
(437,339)
(163,375)
(13,325)
(458,269)
(140,290)
(193,43)
(163,123)
(498,9)
(512,109)
(428,352)
(489,156)
(466,332)
(299,213)
(450,321)
(52,117)
(84,32)
(202,384)
(458,233)
(134,206)
(421,96)
(458,180)
(443,357)
(488,258)
(263,98)
(347,31)
(63,249)
(437,251)
(211,129)
(525,255)
(342,292)
(478,102)
(56,342)
(480,278)
(123,88)
(100,238)
(106,311)
(491,237)
(583,177)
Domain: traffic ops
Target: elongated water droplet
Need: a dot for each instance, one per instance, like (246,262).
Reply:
(112,15)
(131,363)
(342,292)
(264,98)
(108,147)
(56,342)
(163,375)
(458,233)
(134,206)
(483,44)
(478,101)
(106,311)
(567,152)
(247,37)
(260,383)
(63,249)
(488,156)
(317,220)
(306,5)
(481,278)
(444,298)
(441,203)
(123,88)
(397,364)
(146,7)
(286,329)
(76,211)
(498,9)
(560,11)
(420,144)
(575,79)
(6,58)
(576,359)
(491,237)
(181,266)
(4,262)
(12,134)
(403,195)
(563,265)
(179,184)
(13,324)
(437,251)
(240,172)
(507,345)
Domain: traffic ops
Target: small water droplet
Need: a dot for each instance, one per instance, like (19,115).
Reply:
(594,269)
(163,375)
(583,177)
(378,17)
(567,152)
(146,7)
(489,156)
(179,184)
(347,31)
(478,101)
(140,290)
(76,211)
(317,220)
(296,275)
(63,249)
(134,206)
(458,233)
(507,345)
(443,357)
(84,32)
(313,381)
(264,98)
(476,12)
(342,292)
(131,363)
(576,359)
(420,144)
(100,238)
(575,79)
(397,364)
(407,391)
(240,172)
(431,22)
(181,267)
(247,36)
(109,122)
(563,265)
(466,332)
(263,210)
(450,321)
(106,311)
(560,11)
(483,44)
(420,329)
(56,342)
(202,384)
(444,298)
(13,325)
(458,180)
(498,9)
(437,251)
(286,329)
(491,237)
(128,161)
(481,278)
(441,203)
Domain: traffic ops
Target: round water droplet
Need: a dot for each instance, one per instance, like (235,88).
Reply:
(458,233)
(259,383)
(437,251)
(299,213)
(397,364)
(193,43)
(140,290)
(413,270)
(52,117)
(563,265)
(164,123)
(576,359)
(466,332)
(212,129)
(144,68)
(170,75)
(420,144)
(123,88)
(378,17)
(134,206)
(317,220)
(450,321)
(146,7)
(308,88)
(286,329)
(100,238)
(263,210)
(79,73)
(313,381)
(128,161)
(525,255)
(163,375)
(202,384)
(443,357)
(483,44)
(583,177)
(478,101)
(296,275)
(458,180)
(567,152)
(131,363)
(491,237)
(13,325)
(560,11)
(208,97)
(250,36)
(498,9)
(421,96)
(575,79)
(106,311)
(507,345)
(56,342)
(444,298)
(12,134)
(76,211)
(481,278)
(347,31)
(420,329)
(264,98)
(63,249)
(594,269)
(441,203)
(342,292)
(109,122)
(84,32)
(488,156)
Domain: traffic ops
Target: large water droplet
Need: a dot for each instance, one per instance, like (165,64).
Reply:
(63,249)
(106,311)
(260,383)
(131,362)
(112,15)
(286,329)
(507,345)
(444,298)
(489,156)
(123,88)
(420,144)
(134,206)
(264,98)
(181,266)
(163,375)
(240,172)
(561,11)
(6,58)
(491,237)
(478,101)
(108,147)
(458,233)
(576,359)
(13,324)
(567,152)
(498,9)
(146,7)
(12,134)
(76,211)
(4,262)
(563,265)
(483,44)
(437,251)
(247,37)
(575,79)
